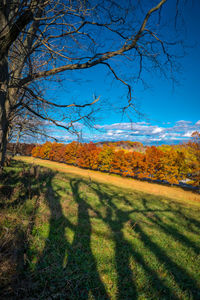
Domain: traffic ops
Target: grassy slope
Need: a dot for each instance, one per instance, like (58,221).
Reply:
(81,239)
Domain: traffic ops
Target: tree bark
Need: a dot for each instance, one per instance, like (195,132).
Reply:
(17,141)
(4,121)
(4,101)
(4,109)
(4,141)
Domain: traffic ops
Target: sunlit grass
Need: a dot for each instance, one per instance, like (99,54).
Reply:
(177,193)
(89,240)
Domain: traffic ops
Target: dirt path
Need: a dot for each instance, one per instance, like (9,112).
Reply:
(177,193)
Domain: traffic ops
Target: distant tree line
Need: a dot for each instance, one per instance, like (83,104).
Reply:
(126,145)
(164,163)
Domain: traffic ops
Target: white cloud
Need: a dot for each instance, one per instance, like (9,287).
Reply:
(157,130)
(188,133)
(144,132)
(137,131)
(183,122)
(119,131)
(110,133)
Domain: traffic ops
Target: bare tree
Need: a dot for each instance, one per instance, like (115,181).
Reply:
(41,39)
(25,128)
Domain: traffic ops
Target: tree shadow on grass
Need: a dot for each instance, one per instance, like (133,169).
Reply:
(81,258)
(77,276)
(21,184)
(68,270)
(180,275)
(15,241)
(124,251)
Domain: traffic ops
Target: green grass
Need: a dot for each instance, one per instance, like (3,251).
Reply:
(79,239)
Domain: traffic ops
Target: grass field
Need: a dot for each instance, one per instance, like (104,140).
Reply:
(70,236)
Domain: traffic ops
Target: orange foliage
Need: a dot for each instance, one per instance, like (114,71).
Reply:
(88,156)
(36,151)
(165,163)
(105,158)
(194,147)
(71,153)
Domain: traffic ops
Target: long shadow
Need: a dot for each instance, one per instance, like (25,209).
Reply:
(49,274)
(77,277)
(9,182)
(124,251)
(180,275)
(24,184)
(81,258)
(16,248)
(174,233)
(189,221)
(125,283)
(171,230)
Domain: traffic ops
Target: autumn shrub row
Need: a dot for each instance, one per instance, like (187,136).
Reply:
(154,164)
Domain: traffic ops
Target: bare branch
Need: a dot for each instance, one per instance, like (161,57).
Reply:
(103,57)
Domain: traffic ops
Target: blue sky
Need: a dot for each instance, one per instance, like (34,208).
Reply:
(170,112)
(144,132)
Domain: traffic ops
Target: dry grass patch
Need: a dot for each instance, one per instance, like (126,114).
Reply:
(176,193)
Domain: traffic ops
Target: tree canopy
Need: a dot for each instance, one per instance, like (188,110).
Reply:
(39,40)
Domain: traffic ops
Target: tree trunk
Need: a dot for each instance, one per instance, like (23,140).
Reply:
(4,124)
(4,78)
(17,142)
(4,109)
(3,145)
